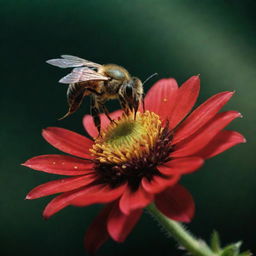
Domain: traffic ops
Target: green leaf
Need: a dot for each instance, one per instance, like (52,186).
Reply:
(246,253)
(231,250)
(215,242)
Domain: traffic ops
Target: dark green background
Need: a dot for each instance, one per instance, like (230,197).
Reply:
(174,38)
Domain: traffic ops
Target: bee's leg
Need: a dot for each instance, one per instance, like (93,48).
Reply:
(123,103)
(136,104)
(133,100)
(143,103)
(105,110)
(95,112)
(135,107)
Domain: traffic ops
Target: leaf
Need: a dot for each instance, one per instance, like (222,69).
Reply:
(215,242)
(246,253)
(231,250)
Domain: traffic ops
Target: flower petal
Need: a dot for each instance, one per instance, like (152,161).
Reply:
(134,200)
(176,203)
(59,164)
(104,194)
(161,97)
(61,185)
(68,141)
(186,98)
(181,166)
(97,234)
(221,142)
(158,183)
(203,136)
(201,115)
(120,225)
(82,197)
(90,126)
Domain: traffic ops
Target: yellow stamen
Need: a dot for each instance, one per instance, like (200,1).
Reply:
(127,138)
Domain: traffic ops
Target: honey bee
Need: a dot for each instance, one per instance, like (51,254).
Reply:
(102,83)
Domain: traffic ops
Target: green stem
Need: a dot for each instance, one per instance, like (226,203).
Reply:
(181,235)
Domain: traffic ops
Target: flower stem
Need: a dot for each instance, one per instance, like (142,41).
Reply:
(181,235)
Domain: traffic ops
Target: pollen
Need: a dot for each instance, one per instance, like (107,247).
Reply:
(128,138)
(164,100)
(131,148)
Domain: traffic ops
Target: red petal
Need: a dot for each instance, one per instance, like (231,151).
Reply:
(90,126)
(201,138)
(58,186)
(81,197)
(221,142)
(161,97)
(186,98)
(103,194)
(176,203)
(133,200)
(68,141)
(158,184)
(120,225)
(97,234)
(181,166)
(201,115)
(59,164)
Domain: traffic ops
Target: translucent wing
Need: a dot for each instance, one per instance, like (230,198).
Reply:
(71,57)
(69,61)
(65,63)
(85,62)
(81,75)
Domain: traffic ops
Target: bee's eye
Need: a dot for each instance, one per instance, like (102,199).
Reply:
(116,74)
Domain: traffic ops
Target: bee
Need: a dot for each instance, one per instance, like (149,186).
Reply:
(102,83)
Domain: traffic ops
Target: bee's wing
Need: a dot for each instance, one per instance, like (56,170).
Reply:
(81,75)
(69,61)
(71,57)
(85,62)
(65,63)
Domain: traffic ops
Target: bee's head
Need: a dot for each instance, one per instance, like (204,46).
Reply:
(132,91)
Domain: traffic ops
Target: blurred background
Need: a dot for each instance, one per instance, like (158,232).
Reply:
(216,39)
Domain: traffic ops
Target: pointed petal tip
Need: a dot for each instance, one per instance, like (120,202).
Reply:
(45,216)
(196,77)
(44,131)
(26,164)
(237,114)
(231,93)
(240,115)
(28,197)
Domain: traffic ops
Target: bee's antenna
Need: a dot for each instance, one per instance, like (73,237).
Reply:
(151,76)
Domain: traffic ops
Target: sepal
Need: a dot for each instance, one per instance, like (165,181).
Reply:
(215,242)
(229,250)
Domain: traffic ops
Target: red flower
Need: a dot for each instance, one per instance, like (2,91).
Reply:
(136,162)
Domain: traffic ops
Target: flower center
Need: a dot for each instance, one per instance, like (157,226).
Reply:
(130,149)
(127,138)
